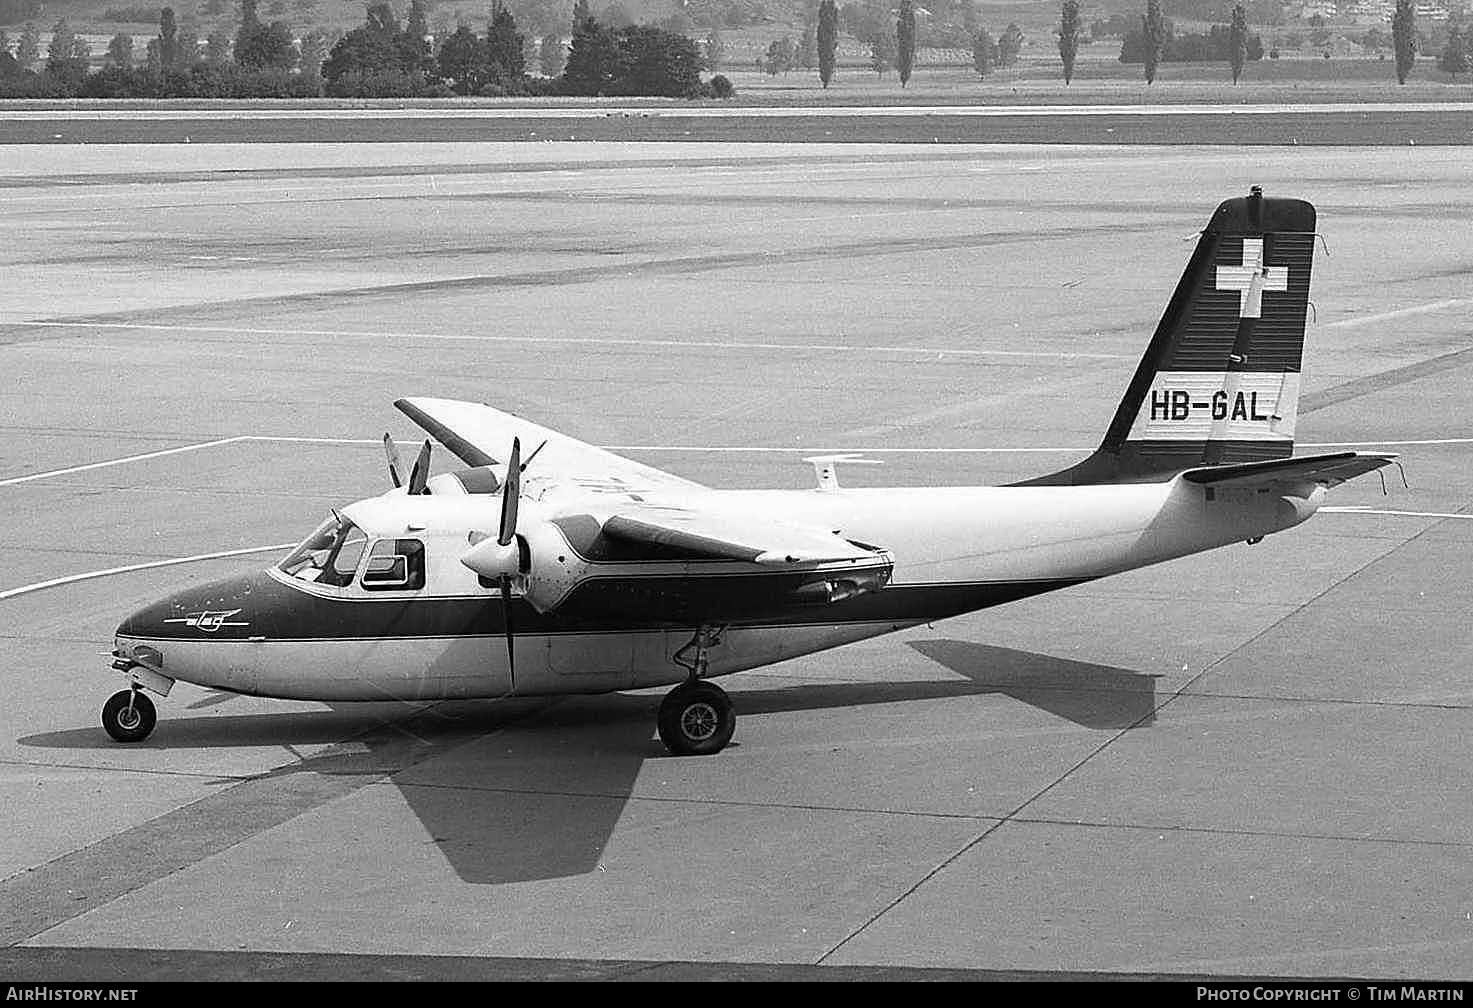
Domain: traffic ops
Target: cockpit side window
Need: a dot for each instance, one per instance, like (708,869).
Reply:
(329,556)
(395,565)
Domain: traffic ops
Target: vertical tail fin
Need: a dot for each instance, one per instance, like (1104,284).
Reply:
(1219,382)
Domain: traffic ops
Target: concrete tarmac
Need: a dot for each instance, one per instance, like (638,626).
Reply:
(1251,762)
(1172,121)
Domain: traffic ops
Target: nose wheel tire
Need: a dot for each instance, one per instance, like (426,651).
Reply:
(129,716)
(696,719)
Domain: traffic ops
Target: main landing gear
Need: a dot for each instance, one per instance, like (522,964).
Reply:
(696,718)
(129,716)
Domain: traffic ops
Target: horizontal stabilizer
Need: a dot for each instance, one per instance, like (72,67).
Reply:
(1330,470)
(761,542)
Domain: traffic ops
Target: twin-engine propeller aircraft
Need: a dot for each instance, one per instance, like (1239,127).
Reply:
(568,569)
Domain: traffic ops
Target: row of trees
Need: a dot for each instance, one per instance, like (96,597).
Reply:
(1155,42)
(381,58)
(606,57)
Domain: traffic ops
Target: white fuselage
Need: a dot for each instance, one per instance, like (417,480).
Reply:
(1017,540)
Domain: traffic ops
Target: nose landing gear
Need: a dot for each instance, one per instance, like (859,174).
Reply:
(129,716)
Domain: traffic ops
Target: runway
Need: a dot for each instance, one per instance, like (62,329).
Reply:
(1251,762)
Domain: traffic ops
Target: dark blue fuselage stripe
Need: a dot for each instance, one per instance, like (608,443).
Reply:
(272,611)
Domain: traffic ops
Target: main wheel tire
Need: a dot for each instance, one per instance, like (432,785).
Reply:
(696,719)
(129,716)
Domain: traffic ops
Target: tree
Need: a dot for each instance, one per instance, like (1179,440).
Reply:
(258,45)
(1404,38)
(593,57)
(828,39)
(375,57)
(250,23)
(655,62)
(504,48)
(1069,32)
(905,41)
(1238,41)
(581,12)
(1009,45)
(1454,58)
(120,52)
(462,61)
(66,57)
(1153,35)
(984,53)
(168,39)
(417,36)
(882,53)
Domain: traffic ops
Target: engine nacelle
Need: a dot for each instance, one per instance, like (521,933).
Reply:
(480,480)
(555,569)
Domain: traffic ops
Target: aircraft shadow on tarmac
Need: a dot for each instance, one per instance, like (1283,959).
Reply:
(525,790)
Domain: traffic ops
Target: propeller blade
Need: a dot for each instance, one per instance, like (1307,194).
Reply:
(511,492)
(532,456)
(511,657)
(420,474)
(396,464)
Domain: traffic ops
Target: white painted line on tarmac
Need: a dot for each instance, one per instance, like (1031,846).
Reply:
(1358,509)
(738,450)
(1387,444)
(1422,309)
(10,593)
(119,461)
(733,345)
(715,112)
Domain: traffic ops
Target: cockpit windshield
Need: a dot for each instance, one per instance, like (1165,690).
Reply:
(328,556)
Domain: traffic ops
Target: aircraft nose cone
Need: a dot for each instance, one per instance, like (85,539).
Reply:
(220,609)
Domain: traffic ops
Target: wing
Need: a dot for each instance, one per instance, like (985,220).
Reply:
(733,537)
(1327,469)
(479,435)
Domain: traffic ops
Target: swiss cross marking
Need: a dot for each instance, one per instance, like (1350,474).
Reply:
(1252,278)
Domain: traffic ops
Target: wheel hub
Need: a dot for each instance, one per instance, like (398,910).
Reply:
(698,722)
(129,719)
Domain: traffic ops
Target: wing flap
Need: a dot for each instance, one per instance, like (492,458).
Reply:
(1329,469)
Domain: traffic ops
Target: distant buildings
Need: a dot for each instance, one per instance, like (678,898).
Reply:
(1366,10)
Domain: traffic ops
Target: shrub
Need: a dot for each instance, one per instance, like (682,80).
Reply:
(384,84)
(721,87)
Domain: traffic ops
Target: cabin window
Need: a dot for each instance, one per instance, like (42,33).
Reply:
(395,565)
(329,556)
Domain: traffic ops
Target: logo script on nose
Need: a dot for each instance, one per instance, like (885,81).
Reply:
(210,621)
